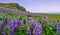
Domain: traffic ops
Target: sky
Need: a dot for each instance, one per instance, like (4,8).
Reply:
(38,6)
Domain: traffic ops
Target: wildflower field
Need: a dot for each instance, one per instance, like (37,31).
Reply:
(23,25)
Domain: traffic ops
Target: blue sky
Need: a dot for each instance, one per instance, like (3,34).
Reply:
(38,6)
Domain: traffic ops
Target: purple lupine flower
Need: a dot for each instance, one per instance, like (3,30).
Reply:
(8,19)
(1,26)
(32,24)
(10,28)
(28,31)
(38,28)
(17,22)
(11,31)
(12,23)
(58,28)
(15,27)
(44,20)
(21,23)
(1,23)
(3,33)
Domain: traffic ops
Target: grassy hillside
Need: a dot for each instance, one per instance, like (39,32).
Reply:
(13,6)
(54,16)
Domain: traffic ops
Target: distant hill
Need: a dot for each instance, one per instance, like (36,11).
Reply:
(15,6)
